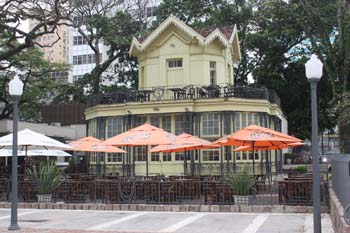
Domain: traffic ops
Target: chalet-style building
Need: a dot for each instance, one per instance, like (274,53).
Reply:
(186,84)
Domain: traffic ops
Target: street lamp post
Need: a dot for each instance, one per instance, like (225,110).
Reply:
(15,90)
(313,70)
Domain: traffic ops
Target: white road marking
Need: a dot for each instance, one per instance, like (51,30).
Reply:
(257,222)
(25,213)
(107,224)
(182,223)
(308,224)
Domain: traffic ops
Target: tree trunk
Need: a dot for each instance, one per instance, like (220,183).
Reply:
(344,138)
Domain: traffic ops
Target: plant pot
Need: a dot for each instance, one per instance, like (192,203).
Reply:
(44,197)
(241,200)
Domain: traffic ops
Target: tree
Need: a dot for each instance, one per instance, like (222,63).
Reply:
(17,53)
(102,23)
(35,72)
(271,41)
(48,14)
(326,25)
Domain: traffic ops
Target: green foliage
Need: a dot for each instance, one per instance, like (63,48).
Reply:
(302,169)
(114,29)
(34,71)
(45,176)
(241,184)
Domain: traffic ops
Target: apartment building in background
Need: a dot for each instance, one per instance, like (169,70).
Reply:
(55,47)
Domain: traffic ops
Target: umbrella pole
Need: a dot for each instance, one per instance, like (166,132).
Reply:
(234,162)
(185,163)
(199,163)
(267,163)
(253,159)
(147,161)
(25,161)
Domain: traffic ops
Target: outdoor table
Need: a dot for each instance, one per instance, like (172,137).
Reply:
(229,91)
(202,92)
(178,92)
(213,91)
(145,95)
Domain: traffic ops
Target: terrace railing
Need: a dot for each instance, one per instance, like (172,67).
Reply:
(182,93)
(161,190)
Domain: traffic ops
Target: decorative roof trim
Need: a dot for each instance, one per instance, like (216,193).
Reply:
(164,25)
(134,44)
(216,34)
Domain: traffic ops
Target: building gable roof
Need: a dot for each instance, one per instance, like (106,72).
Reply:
(227,35)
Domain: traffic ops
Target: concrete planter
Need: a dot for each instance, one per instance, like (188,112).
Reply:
(44,197)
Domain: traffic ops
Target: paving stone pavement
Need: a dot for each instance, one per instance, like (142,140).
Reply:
(93,221)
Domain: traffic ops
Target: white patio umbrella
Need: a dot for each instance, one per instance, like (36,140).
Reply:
(28,138)
(8,153)
(53,153)
(50,153)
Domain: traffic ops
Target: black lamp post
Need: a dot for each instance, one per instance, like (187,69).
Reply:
(15,90)
(313,70)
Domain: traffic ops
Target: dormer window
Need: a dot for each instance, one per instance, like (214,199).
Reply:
(175,63)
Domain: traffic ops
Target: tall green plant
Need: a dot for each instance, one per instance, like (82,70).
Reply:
(241,184)
(45,176)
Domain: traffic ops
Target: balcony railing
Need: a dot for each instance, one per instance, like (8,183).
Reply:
(183,93)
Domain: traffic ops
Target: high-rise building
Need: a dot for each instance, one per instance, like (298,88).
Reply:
(82,57)
(55,47)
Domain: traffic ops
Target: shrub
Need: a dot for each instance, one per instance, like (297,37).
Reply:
(45,176)
(300,169)
(241,184)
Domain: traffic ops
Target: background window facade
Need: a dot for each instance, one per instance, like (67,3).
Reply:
(114,158)
(175,63)
(140,153)
(210,124)
(211,155)
(115,126)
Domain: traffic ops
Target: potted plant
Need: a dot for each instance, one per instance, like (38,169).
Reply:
(242,185)
(45,178)
(300,169)
(288,158)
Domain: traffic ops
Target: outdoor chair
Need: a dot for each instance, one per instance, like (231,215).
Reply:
(191,93)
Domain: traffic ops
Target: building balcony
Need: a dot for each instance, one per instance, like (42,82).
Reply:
(184,93)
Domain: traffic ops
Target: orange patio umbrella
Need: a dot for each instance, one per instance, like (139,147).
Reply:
(186,142)
(280,147)
(91,144)
(144,135)
(256,136)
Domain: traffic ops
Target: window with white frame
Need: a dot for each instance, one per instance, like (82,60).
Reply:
(175,63)
(210,124)
(166,156)
(166,123)
(79,40)
(211,155)
(140,120)
(154,156)
(114,158)
(140,153)
(182,123)
(85,59)
(114,126)
(179,156)
(212,72)
(155,121)
(92,128)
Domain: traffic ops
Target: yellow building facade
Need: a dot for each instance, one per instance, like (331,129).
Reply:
(185,85)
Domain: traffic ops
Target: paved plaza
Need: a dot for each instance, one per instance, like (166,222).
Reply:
(69,221)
